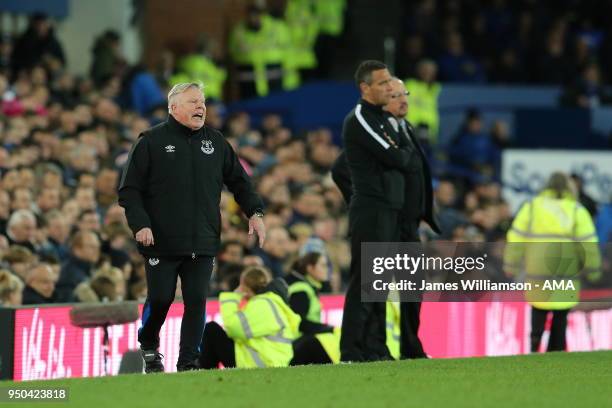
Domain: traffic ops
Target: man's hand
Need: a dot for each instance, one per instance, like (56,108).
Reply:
(145,237)
(256,224)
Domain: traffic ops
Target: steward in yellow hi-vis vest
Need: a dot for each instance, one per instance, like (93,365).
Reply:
(424,94)
(258,333)
(553,241)
(319,342)
(303,30)
(259,47)
(198,67)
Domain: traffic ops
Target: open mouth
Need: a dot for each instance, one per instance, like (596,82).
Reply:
(198,116)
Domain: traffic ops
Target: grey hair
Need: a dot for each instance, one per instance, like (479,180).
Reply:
(18,217)
(182,87)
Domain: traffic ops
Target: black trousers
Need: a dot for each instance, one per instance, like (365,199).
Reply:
(410,312)
(363,336)
(308,350)
(556,342)
(162,274)
(216,348)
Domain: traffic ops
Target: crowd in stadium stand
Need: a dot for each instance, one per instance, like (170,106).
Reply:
(64,141)
(545,42)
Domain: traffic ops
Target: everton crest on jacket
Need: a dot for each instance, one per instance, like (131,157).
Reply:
(172,184)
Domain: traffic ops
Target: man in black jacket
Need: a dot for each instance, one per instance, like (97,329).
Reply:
(418,207)
(84,255)
(417,182)
(377,159)
(170,189)
(40,286)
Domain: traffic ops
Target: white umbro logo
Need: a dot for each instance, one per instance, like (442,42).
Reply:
(153,261)
(170,149)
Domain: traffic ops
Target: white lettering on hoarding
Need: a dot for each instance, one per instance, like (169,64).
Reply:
(33,364)
(501,331)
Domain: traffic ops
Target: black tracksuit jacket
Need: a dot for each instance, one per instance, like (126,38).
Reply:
(376,165)
(172,184)
(341,174)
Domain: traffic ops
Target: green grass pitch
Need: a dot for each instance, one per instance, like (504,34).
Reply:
(556,380)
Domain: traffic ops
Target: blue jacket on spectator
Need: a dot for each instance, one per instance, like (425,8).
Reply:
(145,93)
(73,272)
(603,223)
(274,264)
(474,150)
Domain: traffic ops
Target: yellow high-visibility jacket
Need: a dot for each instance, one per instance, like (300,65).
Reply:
(329,341)
(553,239)
(263,330)
(423,106)
(267,46)
(199,68)
(393,329)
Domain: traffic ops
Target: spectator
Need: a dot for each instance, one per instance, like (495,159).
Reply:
(11,288)
(86,198)
(19,260)
(410,54)
(48,199)
(230,252)
(588,91)
(473,148)
(203,65)
(107,182)
(89,220)
(140,91)
(259,74)
(37,44)
(307,205)
(275,251)
(423,100)
(604,223)
(84,254)
(584,199)
(21,229)
(57,232)
(107,59)
(40,285)
(508,68)
(22,199)
(449,217)
(552,65)
(5,210)
(106,285)
(458,66)
(117,244)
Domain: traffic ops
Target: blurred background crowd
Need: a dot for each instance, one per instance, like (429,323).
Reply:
(64,138)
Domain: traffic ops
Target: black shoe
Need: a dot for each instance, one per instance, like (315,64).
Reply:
(153,361)
(187,367)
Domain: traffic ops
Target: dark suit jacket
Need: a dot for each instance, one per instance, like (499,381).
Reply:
(342,177)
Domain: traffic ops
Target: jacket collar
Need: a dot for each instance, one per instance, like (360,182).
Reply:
(80,263)
(180,128)
(370,106)
(315,284)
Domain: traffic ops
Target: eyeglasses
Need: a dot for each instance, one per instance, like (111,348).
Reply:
(398,94)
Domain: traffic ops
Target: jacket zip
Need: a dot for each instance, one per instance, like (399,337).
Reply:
(193,255)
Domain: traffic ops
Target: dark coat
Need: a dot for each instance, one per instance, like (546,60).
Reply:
(342,177)
(73,272)
(32,297)
(172,184)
